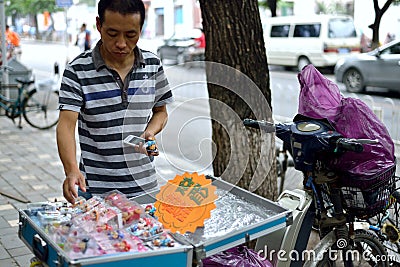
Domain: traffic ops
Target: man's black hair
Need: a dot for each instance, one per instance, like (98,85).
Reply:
(123,7)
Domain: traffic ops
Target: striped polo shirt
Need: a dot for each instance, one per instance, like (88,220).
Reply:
(109,110)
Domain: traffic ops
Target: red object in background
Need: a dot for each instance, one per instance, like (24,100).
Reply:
(46,16)
(201,41)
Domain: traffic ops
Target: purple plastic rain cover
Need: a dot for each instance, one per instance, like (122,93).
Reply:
(320,98)
(237,256)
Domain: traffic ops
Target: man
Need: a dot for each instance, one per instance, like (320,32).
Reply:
(13,40)
(83,40)
(112,91)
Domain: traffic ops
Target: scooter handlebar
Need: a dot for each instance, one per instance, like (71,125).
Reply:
(349,144)
(267,126)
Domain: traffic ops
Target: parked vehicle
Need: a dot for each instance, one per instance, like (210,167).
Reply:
(379,68)
(296,41)
(36,101)
(346,156)
(183,48)
(313,143)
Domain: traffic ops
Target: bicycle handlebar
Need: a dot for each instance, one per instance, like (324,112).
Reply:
(267,126)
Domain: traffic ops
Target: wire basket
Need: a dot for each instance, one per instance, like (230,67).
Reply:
(365,203)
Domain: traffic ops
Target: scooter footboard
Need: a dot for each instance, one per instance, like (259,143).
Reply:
(281,243)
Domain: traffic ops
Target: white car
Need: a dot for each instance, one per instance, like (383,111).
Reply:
(378,68)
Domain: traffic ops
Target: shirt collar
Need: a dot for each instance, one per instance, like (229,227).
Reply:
(99,62)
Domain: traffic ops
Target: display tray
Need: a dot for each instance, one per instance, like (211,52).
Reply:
(239,216)
(51,254)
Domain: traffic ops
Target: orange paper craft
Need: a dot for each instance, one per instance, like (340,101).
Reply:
(185,202)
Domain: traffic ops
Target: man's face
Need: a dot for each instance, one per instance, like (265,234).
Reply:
(119,33)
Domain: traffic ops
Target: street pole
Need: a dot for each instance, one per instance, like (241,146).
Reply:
(65,4)
(66,34)
(4,47)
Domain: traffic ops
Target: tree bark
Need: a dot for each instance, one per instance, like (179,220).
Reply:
(375,26)
(238,86)
(272,7)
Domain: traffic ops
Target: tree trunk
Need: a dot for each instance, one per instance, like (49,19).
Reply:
(37,33)
(375,26)
(238,87)
(272,7)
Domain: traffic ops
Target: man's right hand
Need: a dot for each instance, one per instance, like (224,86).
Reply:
(69,190)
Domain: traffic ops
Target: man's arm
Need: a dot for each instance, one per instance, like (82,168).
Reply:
(66,144)
(157,121)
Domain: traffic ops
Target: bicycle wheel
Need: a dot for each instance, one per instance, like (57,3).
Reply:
(40,109)
(366,251)
(389,229)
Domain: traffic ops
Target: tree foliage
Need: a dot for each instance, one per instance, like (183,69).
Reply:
(32,8)
(333,7)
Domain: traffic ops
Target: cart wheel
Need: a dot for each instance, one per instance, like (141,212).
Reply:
(35,262)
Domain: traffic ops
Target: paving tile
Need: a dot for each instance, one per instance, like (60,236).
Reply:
(3,168)
(7,212)
(21,251)
(44,156)
(13,223)
(9,230)
(17,168)
(40,187)
(9,263)
(3,254)
(3,223)
(34,197)
(11,241)
(24,187)
(6,207)
(28,177)
(24,260)
(11,216)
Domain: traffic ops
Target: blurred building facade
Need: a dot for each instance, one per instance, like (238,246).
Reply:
(168,17)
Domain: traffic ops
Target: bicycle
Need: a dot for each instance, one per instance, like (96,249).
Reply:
(385,226)
(37,102)
(312,143)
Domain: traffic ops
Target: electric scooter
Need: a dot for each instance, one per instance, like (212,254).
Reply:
(313,145)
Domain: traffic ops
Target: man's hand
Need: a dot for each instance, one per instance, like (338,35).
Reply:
(70,181)
(151,149)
